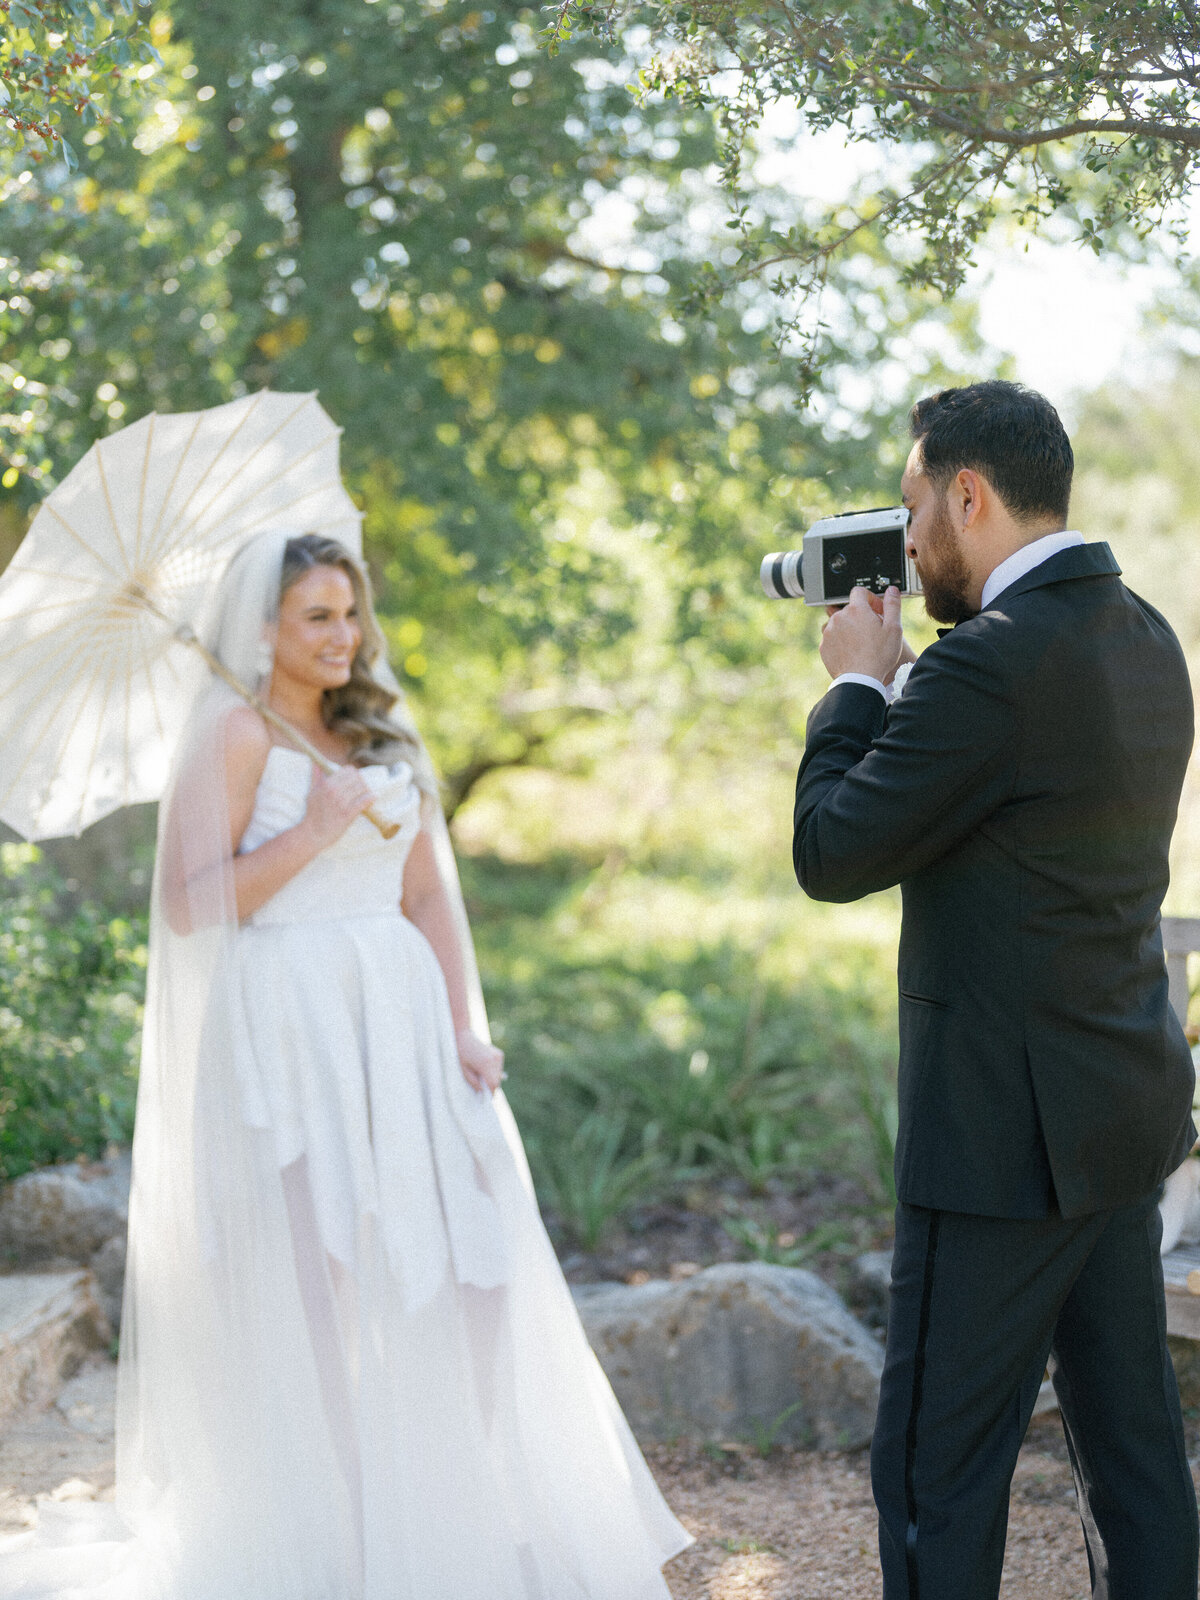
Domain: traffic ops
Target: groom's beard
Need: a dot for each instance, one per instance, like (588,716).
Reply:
(944,575)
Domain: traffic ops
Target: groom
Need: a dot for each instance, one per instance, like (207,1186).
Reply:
(1022,790)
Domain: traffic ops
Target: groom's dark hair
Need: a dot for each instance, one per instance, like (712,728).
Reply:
(1009,434)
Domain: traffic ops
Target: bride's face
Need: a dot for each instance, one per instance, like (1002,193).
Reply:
(318,633)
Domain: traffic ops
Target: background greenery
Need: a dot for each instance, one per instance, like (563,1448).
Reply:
(1026,110)
(70,1011)
(568,486)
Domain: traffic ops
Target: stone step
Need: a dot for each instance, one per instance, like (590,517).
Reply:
(48,1324)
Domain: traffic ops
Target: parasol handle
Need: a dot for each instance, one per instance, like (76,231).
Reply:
(186,636)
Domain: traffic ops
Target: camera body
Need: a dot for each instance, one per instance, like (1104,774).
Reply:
(857,549)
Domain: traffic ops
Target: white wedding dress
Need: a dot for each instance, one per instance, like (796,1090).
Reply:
(447,1434)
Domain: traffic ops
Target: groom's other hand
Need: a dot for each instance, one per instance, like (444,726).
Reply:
(860,638)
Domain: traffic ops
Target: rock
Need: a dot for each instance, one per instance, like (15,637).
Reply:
(737,1352)
(48,1324)
(88,1401)
(868,1286)
(64,1212)
(108,1265)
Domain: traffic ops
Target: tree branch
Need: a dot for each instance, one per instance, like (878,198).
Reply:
(457,787)
(1023,138)
(826,251)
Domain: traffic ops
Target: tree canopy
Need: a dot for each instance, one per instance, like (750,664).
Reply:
(389,203)
(1086,111)
(62,60)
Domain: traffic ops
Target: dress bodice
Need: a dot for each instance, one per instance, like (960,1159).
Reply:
(360,874)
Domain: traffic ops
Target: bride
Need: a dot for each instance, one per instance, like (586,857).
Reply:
(350,1367)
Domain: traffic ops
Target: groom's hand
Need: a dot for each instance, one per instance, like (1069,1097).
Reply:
(859,638)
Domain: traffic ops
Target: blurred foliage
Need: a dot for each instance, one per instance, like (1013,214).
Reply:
(645,1058)
(1137,484)
(71,986)
(402,204)
(63,59)
(379,201)
(1025,108)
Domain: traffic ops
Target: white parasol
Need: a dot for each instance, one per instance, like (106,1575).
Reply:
(116,570)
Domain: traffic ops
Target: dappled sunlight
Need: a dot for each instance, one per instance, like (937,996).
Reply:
(758,1575)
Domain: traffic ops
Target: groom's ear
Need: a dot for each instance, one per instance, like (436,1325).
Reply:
(969,496)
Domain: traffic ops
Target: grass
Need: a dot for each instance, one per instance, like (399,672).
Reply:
(663,1031)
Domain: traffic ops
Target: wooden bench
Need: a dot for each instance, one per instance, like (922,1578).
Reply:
(1181,936)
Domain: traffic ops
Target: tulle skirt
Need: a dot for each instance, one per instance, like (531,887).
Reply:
(410,1409)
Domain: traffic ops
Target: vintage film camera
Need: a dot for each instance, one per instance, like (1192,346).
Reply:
(857,549)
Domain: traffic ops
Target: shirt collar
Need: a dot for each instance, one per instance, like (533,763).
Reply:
(1024,560)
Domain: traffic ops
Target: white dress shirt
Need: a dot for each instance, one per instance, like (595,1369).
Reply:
(1013,567)
(1024,560)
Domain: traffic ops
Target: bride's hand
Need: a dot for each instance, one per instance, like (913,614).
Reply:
(482,1064)
(334,801)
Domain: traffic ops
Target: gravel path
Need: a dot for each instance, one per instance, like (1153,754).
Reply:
(797,1526)
(801,1526)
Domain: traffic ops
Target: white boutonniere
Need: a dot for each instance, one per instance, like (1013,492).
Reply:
(900,678)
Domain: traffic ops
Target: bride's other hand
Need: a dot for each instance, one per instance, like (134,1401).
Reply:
(333,803)
(482,1064)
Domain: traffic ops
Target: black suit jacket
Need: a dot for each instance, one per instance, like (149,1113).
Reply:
(1022,790)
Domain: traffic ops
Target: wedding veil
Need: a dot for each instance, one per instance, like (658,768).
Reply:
(220,1416)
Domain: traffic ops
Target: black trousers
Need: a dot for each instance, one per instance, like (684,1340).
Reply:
(978,1304)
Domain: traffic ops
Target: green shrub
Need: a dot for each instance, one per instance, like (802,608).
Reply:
(71,988)
(647,1059)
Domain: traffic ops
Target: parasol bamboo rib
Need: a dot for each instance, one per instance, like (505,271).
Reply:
(82,665)
(108,505)
(178,530)
(166,499)
(114,672)
(88,550)
(182,532)
(141,510)
(70,627)
(127,743)
(247,528)
(145,664)
(177,515)
(40,572)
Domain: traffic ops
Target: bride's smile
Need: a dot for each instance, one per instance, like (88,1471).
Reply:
(318,633)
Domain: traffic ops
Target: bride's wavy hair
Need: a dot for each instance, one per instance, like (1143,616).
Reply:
(360,711)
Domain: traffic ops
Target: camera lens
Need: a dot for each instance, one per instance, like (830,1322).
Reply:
(780,575)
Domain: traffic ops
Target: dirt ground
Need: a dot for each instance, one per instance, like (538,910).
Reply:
(801,1526)
(795,1526)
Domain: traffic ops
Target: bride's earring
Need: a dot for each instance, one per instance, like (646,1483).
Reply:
(265,659)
